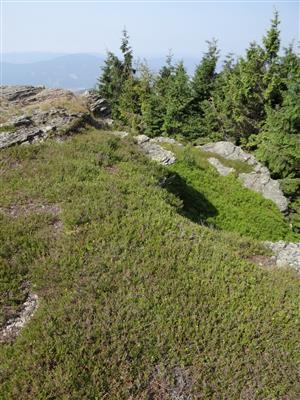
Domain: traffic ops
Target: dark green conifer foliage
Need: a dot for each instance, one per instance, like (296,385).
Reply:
(202,86)
(272,77)
(178,98)
(272,39)
(279,145)
(216,113)
(130,105)
(115,73)
(155,102)
(204,76)
(110,82)
(127,67)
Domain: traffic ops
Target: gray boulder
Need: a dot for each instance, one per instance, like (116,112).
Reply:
(96,104)
(285,254)
(259,180)
(229,151)
(268,187)
(154,151)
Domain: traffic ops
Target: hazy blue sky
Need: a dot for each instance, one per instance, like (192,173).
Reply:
(154,28)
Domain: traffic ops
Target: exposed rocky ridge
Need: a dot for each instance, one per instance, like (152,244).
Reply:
(258,180)
(30,114)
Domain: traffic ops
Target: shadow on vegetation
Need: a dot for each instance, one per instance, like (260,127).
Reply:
(194,205)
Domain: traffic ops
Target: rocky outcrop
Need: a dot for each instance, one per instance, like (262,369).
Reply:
(97,105)
(285,254)
(229,151)
(224,171)
(268,187)
(258,180)
(19,94)
(154,151)
(30,114)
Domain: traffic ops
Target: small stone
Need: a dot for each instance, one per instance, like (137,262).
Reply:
(285,254)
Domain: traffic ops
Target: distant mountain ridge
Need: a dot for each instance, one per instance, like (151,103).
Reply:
(30,57)
(73,71)
(69,71)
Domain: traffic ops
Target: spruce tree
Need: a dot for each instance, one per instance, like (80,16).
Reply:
(115,73)
(155,103)
(110,82)
(178,98)
(204,76)
(202,85)
(279,145)
(272,78)
(272,40)
(127,67)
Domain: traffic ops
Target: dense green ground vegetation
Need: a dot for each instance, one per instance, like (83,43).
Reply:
(253,100)
(223,201)
(138,297)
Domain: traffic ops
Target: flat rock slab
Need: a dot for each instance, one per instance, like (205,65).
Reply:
(259,180)
(17,94)
(222,169)
(229,151)
(268,187)
(154,151)
(285,254)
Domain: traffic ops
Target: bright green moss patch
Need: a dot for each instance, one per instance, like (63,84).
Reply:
(135,297)
(231,207)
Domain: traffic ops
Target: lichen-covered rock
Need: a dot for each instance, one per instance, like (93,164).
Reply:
(30,114)
(154,151)
(268,187)
(222,169)
(17,94)
(285,254)
(141,139)
(259,180)
(229,151)
(97,105)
